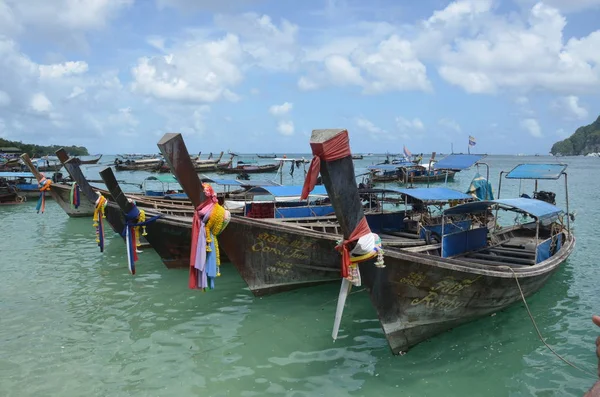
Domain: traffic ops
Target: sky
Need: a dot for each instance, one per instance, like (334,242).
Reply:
(256,76)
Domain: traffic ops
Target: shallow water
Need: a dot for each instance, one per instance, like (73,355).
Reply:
(73,322)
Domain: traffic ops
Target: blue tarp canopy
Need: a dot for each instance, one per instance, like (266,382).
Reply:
(536,208)
(259,183)
(458,161)
(537,171)
(433,194)
(164,178)
(287,191)
(16,175)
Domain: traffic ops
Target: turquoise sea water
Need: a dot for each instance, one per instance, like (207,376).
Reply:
(73,322)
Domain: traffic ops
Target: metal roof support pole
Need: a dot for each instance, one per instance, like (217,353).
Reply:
(537,239)
(567,198)
(500,183)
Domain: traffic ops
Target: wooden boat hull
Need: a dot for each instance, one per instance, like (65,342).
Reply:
(62,195)
(250,170)
(273,257)
(169,236)
(418,296)
(93,161)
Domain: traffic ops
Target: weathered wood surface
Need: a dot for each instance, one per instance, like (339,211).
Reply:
(176,155)
(73,169)
(61,193)
(113,187)
(32,168)
(338,178)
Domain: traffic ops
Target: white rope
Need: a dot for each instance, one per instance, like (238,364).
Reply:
(538,330)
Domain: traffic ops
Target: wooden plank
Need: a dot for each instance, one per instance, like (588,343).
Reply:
(73,169)
(423,248)
(498,258)
(493,263)
(176,154)
(504,252)
(29,164)
(117,194)
(339,180)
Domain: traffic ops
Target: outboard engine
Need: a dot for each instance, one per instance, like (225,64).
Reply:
(549,197)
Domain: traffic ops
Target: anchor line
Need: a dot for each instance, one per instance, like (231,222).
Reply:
(540,333)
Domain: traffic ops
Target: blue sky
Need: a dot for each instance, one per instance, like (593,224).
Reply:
(259,75)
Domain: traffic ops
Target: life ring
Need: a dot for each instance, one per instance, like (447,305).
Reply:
(20,199)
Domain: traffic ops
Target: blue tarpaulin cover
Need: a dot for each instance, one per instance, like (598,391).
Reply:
(458,161)
(537,171)
(433,194)
(288,191)
(537,208)
(16,175)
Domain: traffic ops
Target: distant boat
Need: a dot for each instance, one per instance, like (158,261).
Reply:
(266,156)
(92,161)
(357,157)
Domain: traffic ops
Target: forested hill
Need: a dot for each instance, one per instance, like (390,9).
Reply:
(585,140)
(37,150)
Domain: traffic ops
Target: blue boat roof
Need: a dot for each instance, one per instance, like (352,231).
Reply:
(458,161)
(537,208)
(16,175)
(288,191)
(433,194)
(537,171)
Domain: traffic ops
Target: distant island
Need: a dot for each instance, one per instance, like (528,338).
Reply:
(37,150)
(584,141)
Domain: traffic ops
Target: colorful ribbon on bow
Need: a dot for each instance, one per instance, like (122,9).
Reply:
(75,196)
(135,219)
(336,148)
(44,186)
(210,219)
(99,215)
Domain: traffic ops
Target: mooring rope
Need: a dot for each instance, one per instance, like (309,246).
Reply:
(539,332)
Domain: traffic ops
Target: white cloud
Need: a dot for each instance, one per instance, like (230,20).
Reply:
(570,105)
(368,126)
(40,103)
(501,52)
(279,110)
(285,127)
(267,45)
(522,100)
(377,66)
(409,125)
(68,14)
(205,5)
(195,71)
(306,84)
(77,91)
(449,124)
(341,71)
(533,127)
(4,99)
(63,69)
(565,5)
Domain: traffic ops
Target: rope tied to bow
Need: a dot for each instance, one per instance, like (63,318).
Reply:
(44,186)
(135,220)
(336,148)
(210,219)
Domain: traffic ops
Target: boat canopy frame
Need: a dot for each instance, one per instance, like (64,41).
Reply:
(536,172)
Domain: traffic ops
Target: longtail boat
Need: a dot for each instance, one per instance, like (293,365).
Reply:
(271,255)
(150,164)
(472,271)
(169,235)
(90,161)
(250,169)
(60,192)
